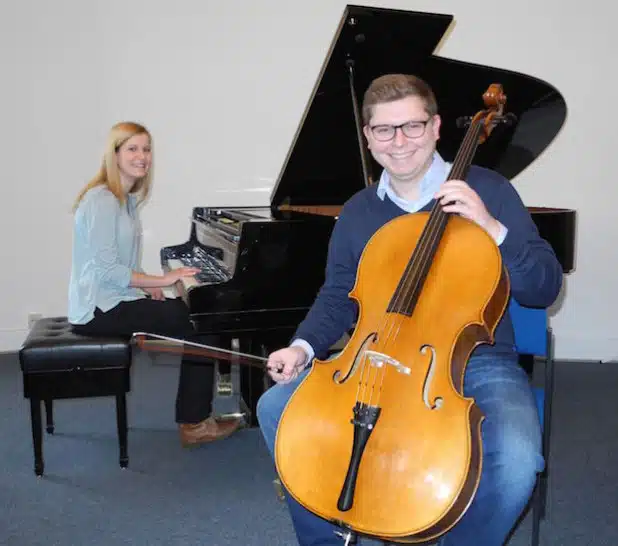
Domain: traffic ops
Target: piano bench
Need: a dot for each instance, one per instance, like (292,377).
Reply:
(57,363)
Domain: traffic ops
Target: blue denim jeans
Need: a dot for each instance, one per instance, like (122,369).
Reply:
(512,456)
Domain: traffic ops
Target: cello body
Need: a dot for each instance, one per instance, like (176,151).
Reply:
(380,438)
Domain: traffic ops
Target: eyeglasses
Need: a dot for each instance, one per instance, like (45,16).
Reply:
(411,129)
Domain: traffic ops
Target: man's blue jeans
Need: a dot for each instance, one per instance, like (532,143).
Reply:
(511,454)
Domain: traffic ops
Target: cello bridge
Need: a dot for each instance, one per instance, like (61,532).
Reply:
(379,360)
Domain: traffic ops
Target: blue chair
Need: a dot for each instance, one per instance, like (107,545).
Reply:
(534,338)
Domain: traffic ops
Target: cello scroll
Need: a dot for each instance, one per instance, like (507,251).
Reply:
(494,100)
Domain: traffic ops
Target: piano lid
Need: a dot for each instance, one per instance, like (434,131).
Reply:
(324,165)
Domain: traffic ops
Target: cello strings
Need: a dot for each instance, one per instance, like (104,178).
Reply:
(413,273)
(393,320)
(412,277)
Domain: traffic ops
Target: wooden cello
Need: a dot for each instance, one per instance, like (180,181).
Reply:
(380,439)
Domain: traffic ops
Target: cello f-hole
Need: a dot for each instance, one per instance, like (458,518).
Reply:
(438,400)
(360,356)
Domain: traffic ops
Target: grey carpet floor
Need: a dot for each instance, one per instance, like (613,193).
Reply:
(222,494)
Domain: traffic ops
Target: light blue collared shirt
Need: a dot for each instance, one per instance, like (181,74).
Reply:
(429,185)
(106,246)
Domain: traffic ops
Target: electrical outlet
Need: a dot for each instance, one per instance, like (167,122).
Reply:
(32,318)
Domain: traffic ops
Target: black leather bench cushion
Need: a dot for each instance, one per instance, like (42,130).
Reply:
(52,346)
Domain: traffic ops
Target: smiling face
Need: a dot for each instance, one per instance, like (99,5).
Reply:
(134,157)
(405,158)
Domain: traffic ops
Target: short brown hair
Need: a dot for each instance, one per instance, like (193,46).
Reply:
(392,87)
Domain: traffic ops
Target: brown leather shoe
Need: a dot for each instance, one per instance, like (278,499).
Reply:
(208,430)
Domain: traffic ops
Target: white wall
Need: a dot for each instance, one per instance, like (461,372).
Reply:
(222,86)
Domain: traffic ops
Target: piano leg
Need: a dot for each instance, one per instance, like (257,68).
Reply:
(254,380)
(239,386)
(251,377)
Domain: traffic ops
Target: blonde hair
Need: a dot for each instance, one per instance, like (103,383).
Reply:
(392,87)
(109,174)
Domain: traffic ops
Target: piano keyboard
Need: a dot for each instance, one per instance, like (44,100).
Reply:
(211,270)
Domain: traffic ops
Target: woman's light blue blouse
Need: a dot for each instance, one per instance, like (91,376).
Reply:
(106,247)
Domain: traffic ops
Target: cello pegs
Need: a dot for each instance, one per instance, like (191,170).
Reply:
(463,121)
(509,119)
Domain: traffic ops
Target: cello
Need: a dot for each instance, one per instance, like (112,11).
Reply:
(380,439)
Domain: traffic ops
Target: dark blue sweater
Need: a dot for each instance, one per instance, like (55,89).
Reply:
(534,271)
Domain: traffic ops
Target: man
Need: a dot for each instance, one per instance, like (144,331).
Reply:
(402,127)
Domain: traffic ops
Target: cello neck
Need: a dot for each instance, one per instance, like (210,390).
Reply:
(411,284)
(465,154)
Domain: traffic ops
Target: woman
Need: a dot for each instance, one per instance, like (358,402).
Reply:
(109,294)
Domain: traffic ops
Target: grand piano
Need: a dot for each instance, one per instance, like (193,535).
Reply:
(262,266)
